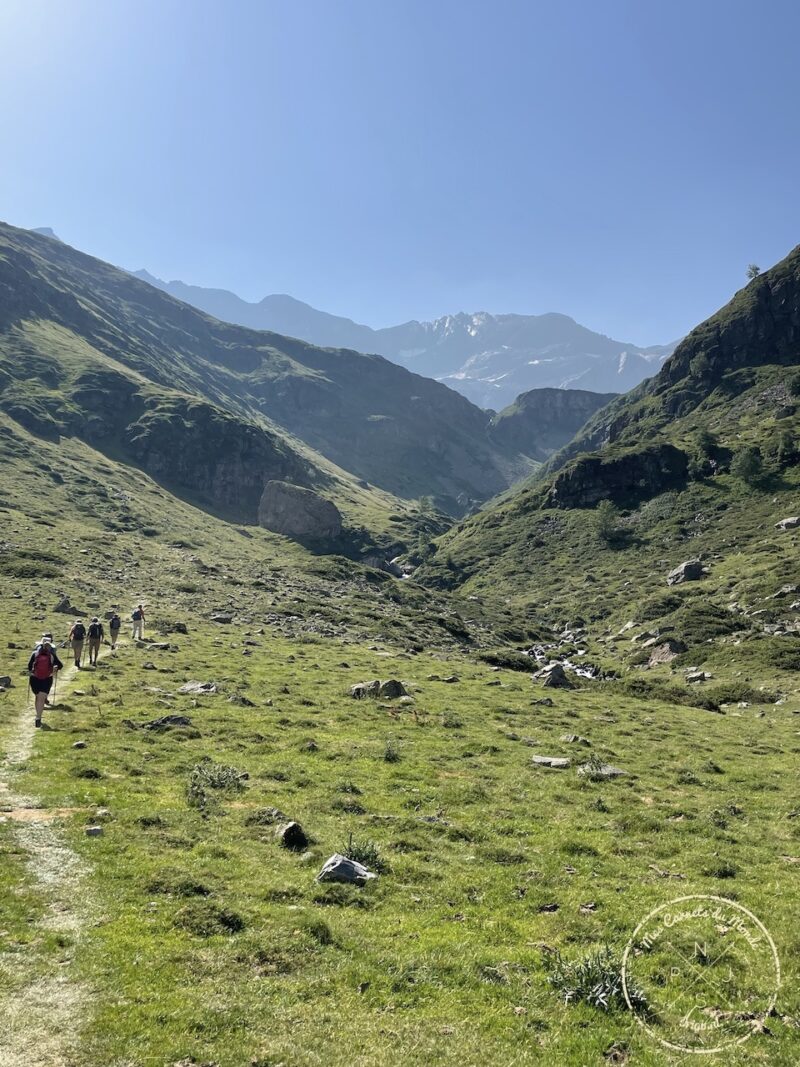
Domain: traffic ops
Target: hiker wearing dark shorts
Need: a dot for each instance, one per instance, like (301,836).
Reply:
(114,627)
(96,635)
(77,635)
(43,665)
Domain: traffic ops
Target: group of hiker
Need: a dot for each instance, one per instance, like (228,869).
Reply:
(44,664)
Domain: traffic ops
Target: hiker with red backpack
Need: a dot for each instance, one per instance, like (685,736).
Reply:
(43,666)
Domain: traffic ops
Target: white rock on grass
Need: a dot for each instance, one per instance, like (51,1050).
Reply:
(341,869)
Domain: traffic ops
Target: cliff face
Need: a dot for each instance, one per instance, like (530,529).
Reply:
(218,458)
(760,326)
(623,479)
(541,421)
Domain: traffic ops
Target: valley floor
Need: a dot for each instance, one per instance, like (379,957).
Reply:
(186,934)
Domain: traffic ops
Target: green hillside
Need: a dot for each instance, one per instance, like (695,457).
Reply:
(81,341)
(151,912)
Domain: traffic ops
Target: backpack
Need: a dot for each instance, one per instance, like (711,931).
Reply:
(43,665)
(95,630)
(137,615)
(78,632)
(115,623)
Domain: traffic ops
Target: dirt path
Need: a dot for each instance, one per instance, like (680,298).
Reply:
(42,1011)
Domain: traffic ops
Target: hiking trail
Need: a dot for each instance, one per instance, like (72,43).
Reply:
(43,1004)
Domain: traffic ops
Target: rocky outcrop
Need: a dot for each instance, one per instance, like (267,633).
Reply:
(689,571)
(298,513)
(188,444)
(625,478)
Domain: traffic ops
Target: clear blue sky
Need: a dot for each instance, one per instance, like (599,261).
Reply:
(621,162)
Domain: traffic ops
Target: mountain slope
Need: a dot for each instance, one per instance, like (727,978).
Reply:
(404,433)
(488,358)
(681,456)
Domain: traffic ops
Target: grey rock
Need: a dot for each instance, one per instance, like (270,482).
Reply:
(576,739)
(298,513)
(553,676)
(698,676)
(94,831)
(64,607)
(689,571)
(666,651)
(79,744)
(365,689)
(223,620)
(788,524)
(557,762)
(392,688)
(341,869)
(240,700)
(601,773)
(198,688)
(5,682)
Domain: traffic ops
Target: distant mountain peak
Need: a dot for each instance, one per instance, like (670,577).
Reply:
(488,358)
(46,231)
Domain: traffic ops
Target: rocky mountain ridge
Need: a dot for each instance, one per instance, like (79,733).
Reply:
(488,358)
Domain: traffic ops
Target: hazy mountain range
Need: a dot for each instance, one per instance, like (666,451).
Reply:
(490,359)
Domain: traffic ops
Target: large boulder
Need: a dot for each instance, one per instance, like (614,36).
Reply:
(298,513)
(788,524)
(553,676)
(666,651)
(689,571)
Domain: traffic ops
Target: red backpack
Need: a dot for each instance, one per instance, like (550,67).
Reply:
(43,665)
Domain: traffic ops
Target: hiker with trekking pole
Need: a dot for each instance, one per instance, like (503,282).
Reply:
(43,668)
(138,623)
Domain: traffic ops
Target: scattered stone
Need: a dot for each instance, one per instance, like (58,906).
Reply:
(94,831)
(341,869)
(149,666)
(64,607)
(79,744)
(392,688)
(698,676)
(223,620)
(309,746)
(576,739)
(5,682)
(553,676)
(689,571)
(556,762)
(452,679)
(365,689)
(788,524)
(543,702)
(785,590)
(600,772)
(666,651)
(292,836)
(198,688)
(240,700)
(167,721)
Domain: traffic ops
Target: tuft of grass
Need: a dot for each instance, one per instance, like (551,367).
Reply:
(594,979)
